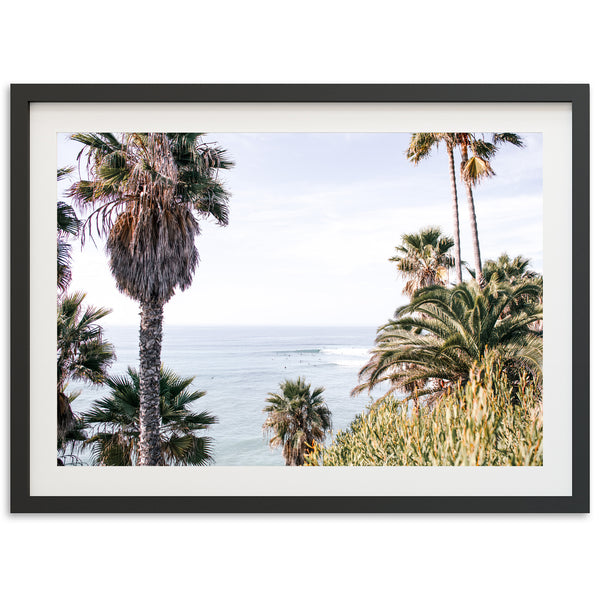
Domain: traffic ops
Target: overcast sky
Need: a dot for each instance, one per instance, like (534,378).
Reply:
(314,219)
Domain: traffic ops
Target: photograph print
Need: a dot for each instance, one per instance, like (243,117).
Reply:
(299,299)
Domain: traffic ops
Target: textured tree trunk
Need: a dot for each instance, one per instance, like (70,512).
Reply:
(457,255)
(474,233)
(150,345)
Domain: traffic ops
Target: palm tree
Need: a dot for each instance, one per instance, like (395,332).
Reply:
(512,270)
(72,439)
(147,191)
(116,419)
(67,224)
(298,417)
(419,148)
(473,169)
(81,353)
(432,343)
(423,259)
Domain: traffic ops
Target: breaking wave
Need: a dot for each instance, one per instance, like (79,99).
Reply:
(342,351)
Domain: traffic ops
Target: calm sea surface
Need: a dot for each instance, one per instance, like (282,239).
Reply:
(239,366)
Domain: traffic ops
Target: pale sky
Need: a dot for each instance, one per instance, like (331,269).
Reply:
(314,218)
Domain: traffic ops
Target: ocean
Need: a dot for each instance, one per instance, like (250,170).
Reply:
(239,366)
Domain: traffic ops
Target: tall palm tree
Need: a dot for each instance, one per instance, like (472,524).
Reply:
(81,354)
(298,418)
(432,342)
(419,148)
(116,438)
(147,191)
(423,259)
(475,165)
(67,225)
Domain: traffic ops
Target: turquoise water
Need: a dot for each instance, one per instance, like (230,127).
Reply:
(239,366)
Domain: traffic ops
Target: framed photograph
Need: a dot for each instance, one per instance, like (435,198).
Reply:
(300,298)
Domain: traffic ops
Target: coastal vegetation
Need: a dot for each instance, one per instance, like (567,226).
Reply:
(475,165)
(67,227)
(462,363)
(486,422)
(297,418)
(146,192)
(115,423)
(420,147)
(476,154)
(510,270)
(82,353)
(433,341)
(423,259)
(458,367)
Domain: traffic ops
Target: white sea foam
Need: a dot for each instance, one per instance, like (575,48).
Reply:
(349,363)
(362,352)
(239,367)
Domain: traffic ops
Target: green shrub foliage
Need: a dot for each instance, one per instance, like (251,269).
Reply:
(487,422)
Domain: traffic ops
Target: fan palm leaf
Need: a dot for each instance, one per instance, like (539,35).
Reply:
(423,259)
(420,147)
(67,225)
(146,193)
(82,353)
(298,418)
(115,422)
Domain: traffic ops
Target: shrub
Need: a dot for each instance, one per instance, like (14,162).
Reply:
(484,423)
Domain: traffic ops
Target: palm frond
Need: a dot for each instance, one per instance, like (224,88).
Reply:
(297,418)
(508,138)
(146,192)
(442,332)
(115,422)
(475,169)
(423,259)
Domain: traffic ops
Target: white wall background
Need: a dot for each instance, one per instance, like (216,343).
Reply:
(442,556)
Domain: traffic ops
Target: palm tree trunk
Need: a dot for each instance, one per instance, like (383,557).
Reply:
(458,265)
(64,414)
(474,233)
(150,346)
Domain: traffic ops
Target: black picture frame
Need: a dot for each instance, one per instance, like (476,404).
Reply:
(22,95)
